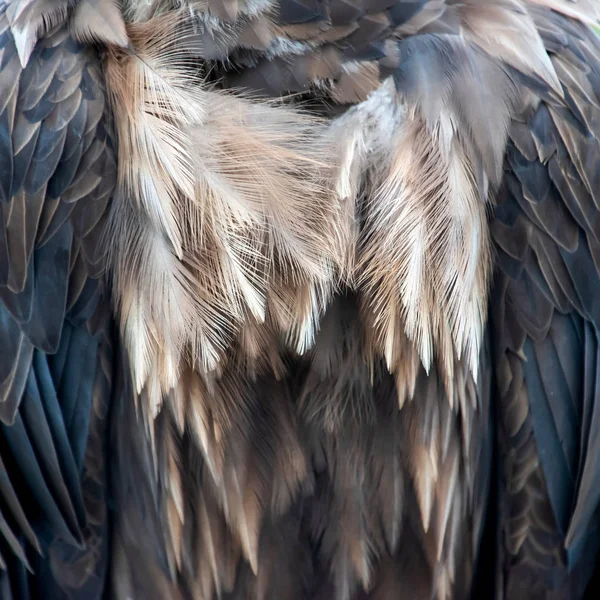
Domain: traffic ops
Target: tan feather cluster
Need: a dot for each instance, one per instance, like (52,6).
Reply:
(427,225)
(427,157)
(228,216)
(221,199)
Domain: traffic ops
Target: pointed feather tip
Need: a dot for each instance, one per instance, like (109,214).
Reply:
(24,35)
(17,9)
(94,21)
(100,21)
(28,20)
(25,39)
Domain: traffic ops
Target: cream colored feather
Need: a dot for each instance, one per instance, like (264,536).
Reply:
(221,197)
(428,159)
(423,256)
(99,21)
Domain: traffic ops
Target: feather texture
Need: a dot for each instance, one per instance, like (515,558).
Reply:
(301,288)
(93,20)
(29,19)
(99,21)
(56,363)
(586,11)
(209,210)
(234,269)
(423,258)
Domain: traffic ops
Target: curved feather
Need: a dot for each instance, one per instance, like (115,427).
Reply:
(209,210)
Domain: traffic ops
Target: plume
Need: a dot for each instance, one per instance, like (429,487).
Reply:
(424,254)
(212,211)
(428,157)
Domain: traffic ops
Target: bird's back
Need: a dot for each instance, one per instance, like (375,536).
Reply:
(297,298)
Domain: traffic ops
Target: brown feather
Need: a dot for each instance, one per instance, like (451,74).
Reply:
(505,30)
(424,255)
(236,224)
(212,206)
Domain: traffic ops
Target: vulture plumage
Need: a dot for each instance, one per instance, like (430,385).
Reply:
(299,299)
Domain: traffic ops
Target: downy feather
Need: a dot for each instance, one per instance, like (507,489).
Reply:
(423,258)
(212,208)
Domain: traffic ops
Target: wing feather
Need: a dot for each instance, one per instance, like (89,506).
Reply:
(58,160)
(551,309)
